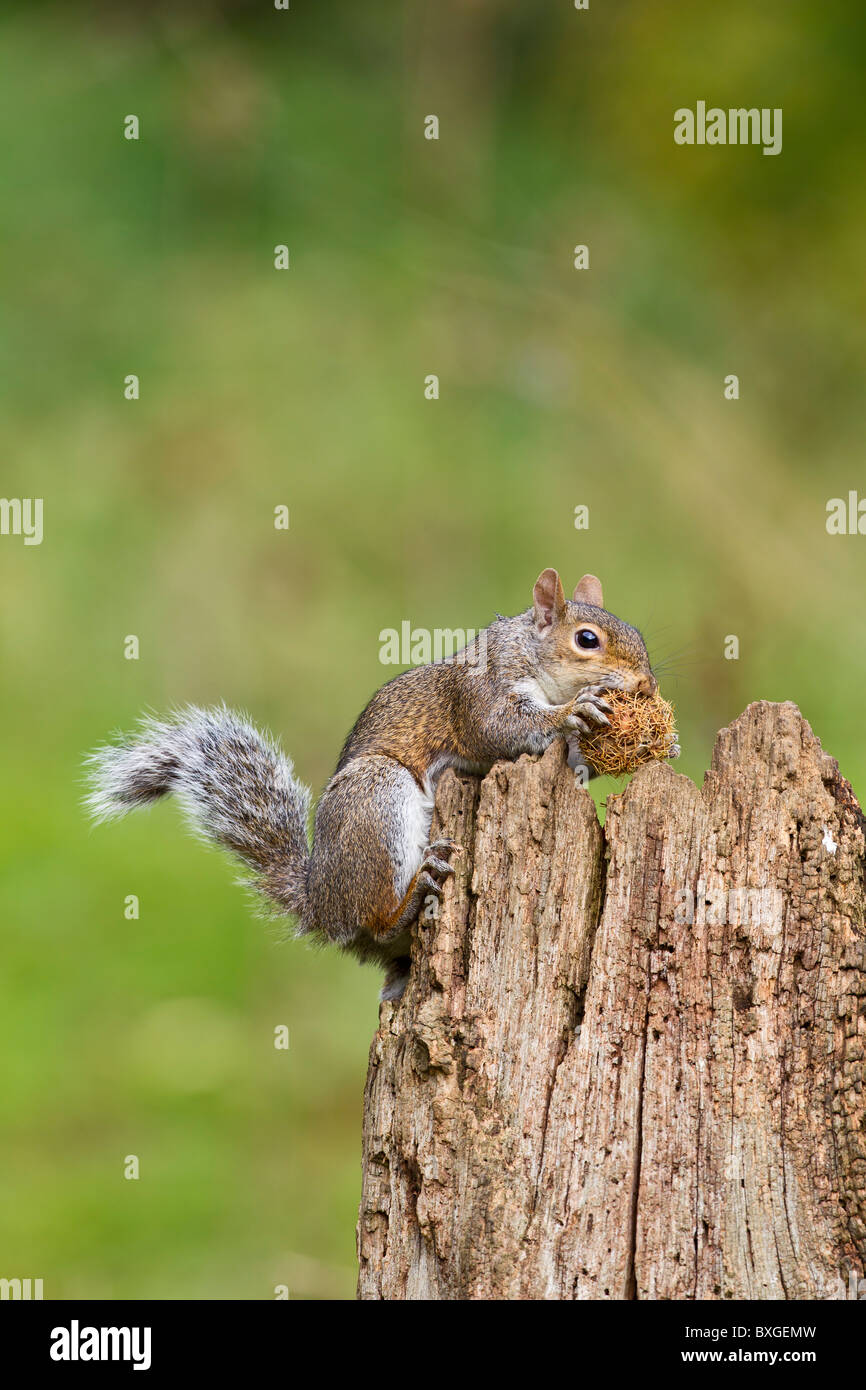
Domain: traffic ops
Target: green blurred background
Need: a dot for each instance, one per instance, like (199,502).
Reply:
(305,387)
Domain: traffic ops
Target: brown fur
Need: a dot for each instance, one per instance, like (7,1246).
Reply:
(519,685)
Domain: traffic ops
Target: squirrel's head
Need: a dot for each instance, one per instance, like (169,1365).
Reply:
(581,644)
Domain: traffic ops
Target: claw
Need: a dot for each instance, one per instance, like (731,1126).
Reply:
(595,715)
(427,883)
(591,706)
(451,845)
(438,866)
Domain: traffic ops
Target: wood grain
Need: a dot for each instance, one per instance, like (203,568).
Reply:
(629,1062)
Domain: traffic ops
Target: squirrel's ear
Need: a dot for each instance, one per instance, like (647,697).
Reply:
(589,591)
(548,599)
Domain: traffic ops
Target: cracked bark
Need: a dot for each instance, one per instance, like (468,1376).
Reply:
(584,1094)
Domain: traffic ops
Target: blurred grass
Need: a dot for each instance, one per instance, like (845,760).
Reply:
(306,388)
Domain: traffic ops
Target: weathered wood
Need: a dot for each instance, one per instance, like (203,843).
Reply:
(585,1094)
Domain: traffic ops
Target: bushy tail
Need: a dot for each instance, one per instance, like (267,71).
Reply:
(234,784)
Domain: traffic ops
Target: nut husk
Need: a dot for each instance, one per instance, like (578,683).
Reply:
(641,729)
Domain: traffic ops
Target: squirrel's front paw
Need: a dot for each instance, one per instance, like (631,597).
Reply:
(588,708)
(431,875)
(433,868)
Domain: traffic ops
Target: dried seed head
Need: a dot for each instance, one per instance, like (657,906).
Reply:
(641,729)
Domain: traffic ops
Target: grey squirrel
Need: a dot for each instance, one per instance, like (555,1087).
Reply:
(523,682)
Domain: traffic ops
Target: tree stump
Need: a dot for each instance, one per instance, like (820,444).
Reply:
(629,1062)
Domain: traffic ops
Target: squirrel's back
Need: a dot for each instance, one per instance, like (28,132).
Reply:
(431,714)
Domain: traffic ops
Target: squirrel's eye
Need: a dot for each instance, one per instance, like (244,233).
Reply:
(585,637)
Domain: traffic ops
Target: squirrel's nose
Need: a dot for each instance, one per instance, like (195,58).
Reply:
(647,685)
